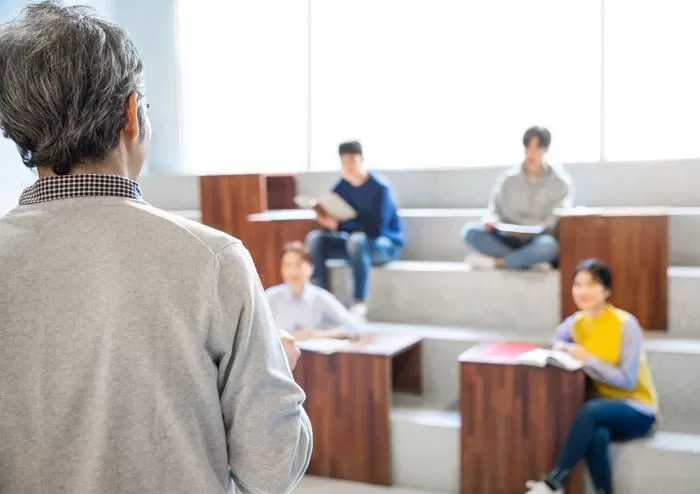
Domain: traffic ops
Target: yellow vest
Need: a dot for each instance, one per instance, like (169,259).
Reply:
(602,337)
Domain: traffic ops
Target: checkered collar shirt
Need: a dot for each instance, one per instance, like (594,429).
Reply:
(72,186)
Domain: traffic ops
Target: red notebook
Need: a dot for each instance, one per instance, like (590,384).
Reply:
(507,349)
(497,353)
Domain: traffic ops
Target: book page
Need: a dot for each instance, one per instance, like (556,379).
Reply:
(564,361)
(536,358)
(337,207)
(525,230)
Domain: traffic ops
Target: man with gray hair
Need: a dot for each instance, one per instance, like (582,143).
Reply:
(138,354)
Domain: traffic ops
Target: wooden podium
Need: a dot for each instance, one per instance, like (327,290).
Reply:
(348,399)
(634,242)
(514,419)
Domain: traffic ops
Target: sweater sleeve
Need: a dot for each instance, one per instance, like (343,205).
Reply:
(337,316)
(268,432)
(564,333)
(387,211)
(494,213)
(566,201)
(626,375)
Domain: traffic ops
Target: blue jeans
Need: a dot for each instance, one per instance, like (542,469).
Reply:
(517,253)
(361,251)
(599,422)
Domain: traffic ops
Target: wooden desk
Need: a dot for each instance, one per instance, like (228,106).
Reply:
(268,232)
(348,402)
(514,419)
(634,242)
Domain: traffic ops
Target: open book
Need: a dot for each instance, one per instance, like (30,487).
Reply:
(523,229)
(329,203)
(325,346)
(541,357)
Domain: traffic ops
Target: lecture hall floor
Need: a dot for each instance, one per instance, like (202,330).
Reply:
(317,485)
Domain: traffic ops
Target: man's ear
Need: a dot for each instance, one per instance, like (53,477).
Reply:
(131,126)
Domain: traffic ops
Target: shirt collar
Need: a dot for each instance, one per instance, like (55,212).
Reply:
(546,170)
(72,186)
(306,294)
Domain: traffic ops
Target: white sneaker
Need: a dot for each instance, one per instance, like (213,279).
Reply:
(480,261)
(359,309)
(534,487)
(542,267)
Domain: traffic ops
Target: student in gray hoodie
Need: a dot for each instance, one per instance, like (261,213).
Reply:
(525,195)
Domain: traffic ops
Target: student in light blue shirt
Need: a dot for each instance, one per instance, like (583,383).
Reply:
(303,309)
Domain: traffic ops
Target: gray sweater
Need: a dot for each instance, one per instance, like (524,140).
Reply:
(518,200)
(138,355)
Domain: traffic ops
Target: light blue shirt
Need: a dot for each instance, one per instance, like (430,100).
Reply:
(314,309)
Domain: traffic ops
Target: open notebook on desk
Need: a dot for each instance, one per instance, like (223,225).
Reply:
(329,203)
(325,346)
(541,357)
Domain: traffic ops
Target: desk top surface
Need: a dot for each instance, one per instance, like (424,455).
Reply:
(382,345)
(614,211)
(505,353)
(283,215)
(308,214)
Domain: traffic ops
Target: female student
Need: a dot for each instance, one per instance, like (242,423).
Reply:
(608,341)
(303,309)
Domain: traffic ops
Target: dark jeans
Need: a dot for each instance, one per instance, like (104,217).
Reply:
(517,253)
(599,422)
(357,248)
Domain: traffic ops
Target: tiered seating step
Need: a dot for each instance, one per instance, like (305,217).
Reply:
(427,429)
(452,294)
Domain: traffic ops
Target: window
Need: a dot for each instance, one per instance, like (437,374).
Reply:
(244,85)
(652,79)
(440,83)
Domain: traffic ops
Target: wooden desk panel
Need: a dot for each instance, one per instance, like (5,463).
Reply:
(348,402)
(281,190)
(634,242)
(265,240)
(228,200)
(514,419)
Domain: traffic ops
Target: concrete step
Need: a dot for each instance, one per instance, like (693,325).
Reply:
(435,234)
(675,365)
(319,485)
(452,294)
(425,453)
(596,184)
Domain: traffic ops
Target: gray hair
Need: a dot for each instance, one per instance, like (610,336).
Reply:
(65,78)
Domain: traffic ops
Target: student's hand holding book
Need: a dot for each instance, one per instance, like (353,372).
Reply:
(326,221)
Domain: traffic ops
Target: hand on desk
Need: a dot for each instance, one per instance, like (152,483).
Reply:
(309,334)
(305,334)
(290,348)
(578,352)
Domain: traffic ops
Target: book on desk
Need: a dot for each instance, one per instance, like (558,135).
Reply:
(541,357)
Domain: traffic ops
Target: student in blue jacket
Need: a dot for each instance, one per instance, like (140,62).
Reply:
(375,237)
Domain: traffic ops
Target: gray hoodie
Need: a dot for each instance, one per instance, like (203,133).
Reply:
(519,200)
